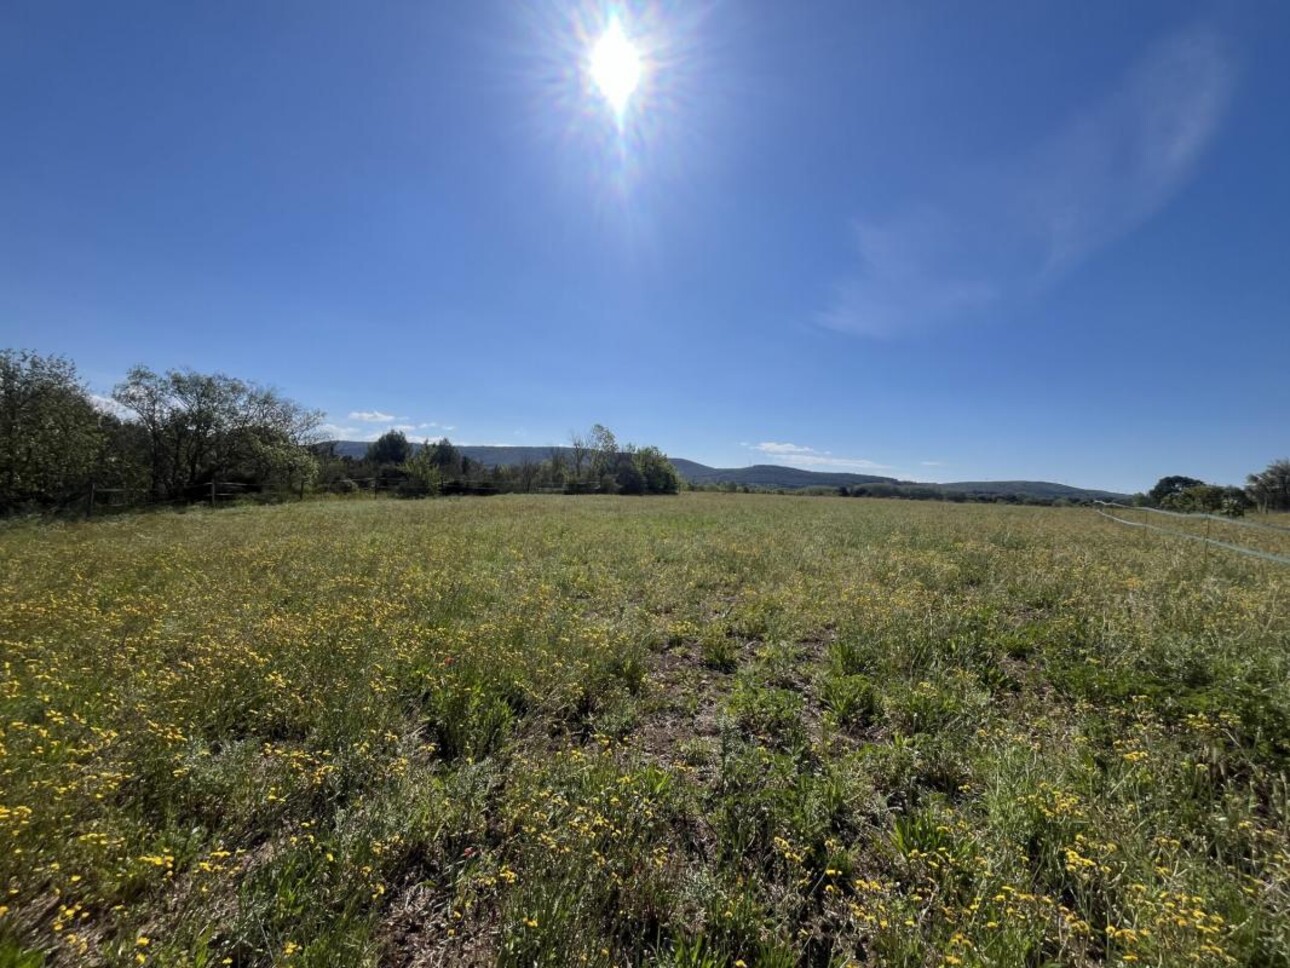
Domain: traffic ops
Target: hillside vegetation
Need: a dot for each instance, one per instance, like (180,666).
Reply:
(703,730)
(775,476)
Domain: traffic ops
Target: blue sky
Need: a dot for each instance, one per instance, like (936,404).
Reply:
(941,241)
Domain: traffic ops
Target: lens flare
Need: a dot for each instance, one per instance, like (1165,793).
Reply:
(618,92)
(615,67)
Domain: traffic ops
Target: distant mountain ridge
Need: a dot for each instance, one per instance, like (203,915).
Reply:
(771,475)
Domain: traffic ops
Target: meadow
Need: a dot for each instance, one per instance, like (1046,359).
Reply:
(708,730)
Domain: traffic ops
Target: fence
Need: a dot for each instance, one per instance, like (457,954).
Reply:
(1263,525)
(1205,538)
(131,498)
(98,499)
(408,487)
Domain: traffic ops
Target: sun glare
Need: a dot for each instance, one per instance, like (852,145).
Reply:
(615,67)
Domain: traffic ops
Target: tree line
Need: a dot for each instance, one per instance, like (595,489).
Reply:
(593,463)
(1266,490)
(159,437)
(910,491)
(181,436)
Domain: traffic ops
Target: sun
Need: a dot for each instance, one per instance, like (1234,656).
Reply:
(615,67)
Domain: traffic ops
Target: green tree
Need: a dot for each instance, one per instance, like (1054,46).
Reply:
(526,475)
(1234,503)
(278,462)
(201,427)
(123,461)
(554,469)
(391,447)
(1199,497)
(425,472)
(627,478)
(50,436)
(579,451)
(656,471)
(447,458)
(1167,486)
(604,454)
(1270,488)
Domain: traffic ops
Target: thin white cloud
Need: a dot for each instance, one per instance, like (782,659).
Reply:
(106,404)
(421,430)
(773,448)
(373,416)
(828,461)
(333,431)
(1101,175)
(345,431)
(798,455)
(932,463)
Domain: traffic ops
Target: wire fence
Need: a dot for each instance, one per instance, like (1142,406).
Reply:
(1194,515)
(1280,559)
(99,499)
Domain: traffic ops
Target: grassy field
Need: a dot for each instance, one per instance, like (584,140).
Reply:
(703,730)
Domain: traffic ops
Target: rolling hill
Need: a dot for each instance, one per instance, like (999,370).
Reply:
(771,475)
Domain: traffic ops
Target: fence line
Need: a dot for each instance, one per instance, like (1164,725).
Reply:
(1279,559)
(1197,514)
(212,492)
(190,494)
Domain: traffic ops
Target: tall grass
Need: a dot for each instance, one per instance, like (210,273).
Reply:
(607,731)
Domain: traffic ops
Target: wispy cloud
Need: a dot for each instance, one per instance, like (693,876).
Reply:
(333,431)
(1007,236)
(932,463)
(828,461)
(336,430)
(799,455)
(106,404)
(773,448)
(373,416)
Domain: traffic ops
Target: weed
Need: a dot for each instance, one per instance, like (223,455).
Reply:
(605,731)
